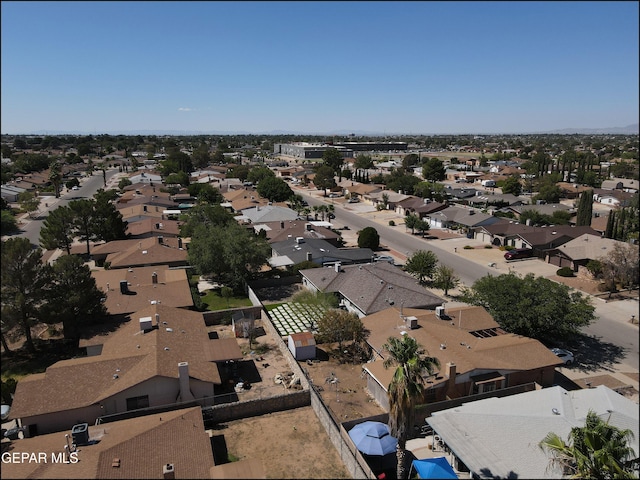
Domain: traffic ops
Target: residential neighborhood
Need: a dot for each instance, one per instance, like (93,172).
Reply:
(310,317)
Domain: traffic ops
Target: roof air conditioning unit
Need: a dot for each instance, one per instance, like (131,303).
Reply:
(412,322)
(440,312)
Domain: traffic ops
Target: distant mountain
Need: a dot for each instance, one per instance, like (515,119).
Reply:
(628,130)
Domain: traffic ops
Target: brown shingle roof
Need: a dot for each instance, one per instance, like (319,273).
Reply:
(148,251)
(143,445)
(172,288)
(504,351)
(129,357)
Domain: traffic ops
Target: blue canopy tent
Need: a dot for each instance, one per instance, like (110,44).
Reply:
(433,468)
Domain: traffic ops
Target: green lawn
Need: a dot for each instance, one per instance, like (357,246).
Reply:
(214,301)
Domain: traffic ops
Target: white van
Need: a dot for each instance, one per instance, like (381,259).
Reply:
(488,183)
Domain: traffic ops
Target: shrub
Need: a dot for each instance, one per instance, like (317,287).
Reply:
(468,247)
(489,247)
(565,272)
(392,223)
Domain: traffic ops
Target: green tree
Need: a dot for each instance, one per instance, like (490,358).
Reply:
(549,193)
(597,450)
(422,226)
(512,185)
(9,224)
(532,306)
(337,325)
(29,202)
(421,264)
(201,157)
(410,221)
(275,189)
(241,172)
(106,221)
(368,237)
(73,298)
(24,279)
(177,178)
(433,170)
(333,158)
(123,183)
(406,389)
(410,160)
(231,254)
(363,162)
(445,279)
(324,178)
(58,230)
(83,220)
(55,177)
(585,209)
(205,193)
(258,173)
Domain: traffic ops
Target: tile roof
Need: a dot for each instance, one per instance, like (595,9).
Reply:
(142,211)
(143,445)
(268,213)
(135,356)
(371,286)
(172,288)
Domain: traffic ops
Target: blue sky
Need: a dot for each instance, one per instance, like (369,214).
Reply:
(318,67)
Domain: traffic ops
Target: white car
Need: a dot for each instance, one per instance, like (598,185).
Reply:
(565,355)
(75,187)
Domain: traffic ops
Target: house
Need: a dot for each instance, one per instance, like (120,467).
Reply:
(525,236)
(625,184)
(499,437)
(150,251)
(466,219)
(615,198)
(295,250)
(140,447)
(578,252)
(282,230)
(418,206)
(302,346)
(131,289)
(150,227)
(542,209)
(388,197)
(368,288)
(149,177)
(10,193)
(161,356)
(475,354)
(267,213)
(139,212)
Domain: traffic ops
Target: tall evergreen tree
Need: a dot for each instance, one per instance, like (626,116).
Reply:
(585,209)
(57,229)
(24,279)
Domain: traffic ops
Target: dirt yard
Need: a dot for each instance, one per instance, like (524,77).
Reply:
(290,444)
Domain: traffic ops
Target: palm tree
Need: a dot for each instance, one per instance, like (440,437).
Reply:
(597,450)
(406,389)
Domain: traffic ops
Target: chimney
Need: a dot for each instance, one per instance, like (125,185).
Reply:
(309,256)
(281,224)
(179,243)
(154,277)
(450,372)
(124,289)
(168,471)
(144,208)
(160,239)
(337,267)
(183,377)
(308,227)
(157,316)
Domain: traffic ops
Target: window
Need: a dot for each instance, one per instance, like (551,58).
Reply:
(135,403)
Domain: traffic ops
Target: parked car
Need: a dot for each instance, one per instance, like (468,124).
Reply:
(354,200)
(334,195)
(565,355)
(384,258)
(518,253)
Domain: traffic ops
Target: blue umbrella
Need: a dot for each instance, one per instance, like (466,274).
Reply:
(434,468)
(373,438)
